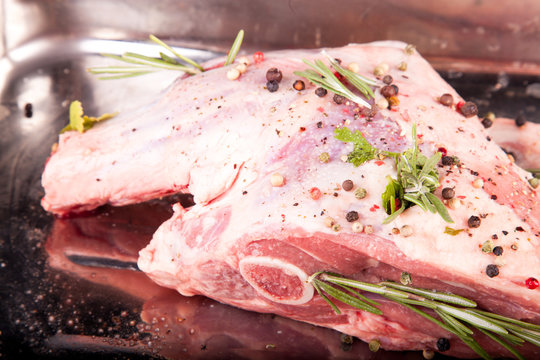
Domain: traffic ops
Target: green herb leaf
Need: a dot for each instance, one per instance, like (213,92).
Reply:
(362,152)
(235,48)
(322,75)
(448,230)
(393,191)
(142,64)
(79,122)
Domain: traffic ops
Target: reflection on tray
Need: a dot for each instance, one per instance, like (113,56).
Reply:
(102,248)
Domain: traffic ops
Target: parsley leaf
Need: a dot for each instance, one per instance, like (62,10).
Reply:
(80,122)
(362,152)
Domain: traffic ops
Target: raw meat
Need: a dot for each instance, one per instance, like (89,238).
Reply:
(93,247)
(253,245)
(523,142)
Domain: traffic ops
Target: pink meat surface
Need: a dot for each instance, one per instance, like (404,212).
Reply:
(254,245)
(523,142)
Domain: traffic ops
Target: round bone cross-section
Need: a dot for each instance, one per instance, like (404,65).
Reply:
(277,280)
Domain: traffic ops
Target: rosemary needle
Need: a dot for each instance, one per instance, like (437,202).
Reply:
(142,64)
(235,48)
(506,331)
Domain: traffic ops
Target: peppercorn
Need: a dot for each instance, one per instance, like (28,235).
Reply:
(402,66)
(448,193)
(360,193)
(374,345)
(272,86)
(277,180)
(447,160)
(393,101)
(474,221)
(469,109)
(492,270)
(443,344)
(321,92)
(428,354)
(520,120)
(324,157)
(382,103)
(388,91)
(338,99)
(351,216)
(487,122)
(498,250)
(406,230)
(233,74)
(387,79)
(274,74)
(531,283)
(396,89)
(315,193)
(299,85)
(28,110)
(258,57)
(347,185)
(446,99)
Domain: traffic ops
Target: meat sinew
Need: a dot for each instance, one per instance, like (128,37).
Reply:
(265,196)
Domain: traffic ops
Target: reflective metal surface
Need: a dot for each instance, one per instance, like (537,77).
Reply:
(68,287)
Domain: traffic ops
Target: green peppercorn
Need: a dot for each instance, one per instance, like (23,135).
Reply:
(360,193)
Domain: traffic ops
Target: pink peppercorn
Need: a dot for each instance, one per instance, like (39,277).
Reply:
(531,283)
(315,193)
(258,57)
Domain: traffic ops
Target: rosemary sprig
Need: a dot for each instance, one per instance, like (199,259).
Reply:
(456,314)
(322,75)
(417,176)
(417,179)
(142,64)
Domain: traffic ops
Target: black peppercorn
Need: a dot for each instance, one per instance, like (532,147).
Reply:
(28,110)
(396,89)
(272,86)
(447,160)
(443,344)
(469,109)
(498,250)
(299,85)
(321,92)
(474,221)
(446,99)
(387,79)
(388,91)
(351,216)
(520,120)
(347,185)
(487,122)
(338,99)
(319,124)
(274,74)
(448,193)
(492,270)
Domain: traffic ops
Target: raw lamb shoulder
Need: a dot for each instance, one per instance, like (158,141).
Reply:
(252,242)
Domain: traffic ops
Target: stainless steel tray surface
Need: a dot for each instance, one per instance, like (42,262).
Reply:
(69,287)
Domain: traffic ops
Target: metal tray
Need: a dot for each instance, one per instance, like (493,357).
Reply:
(69,287)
